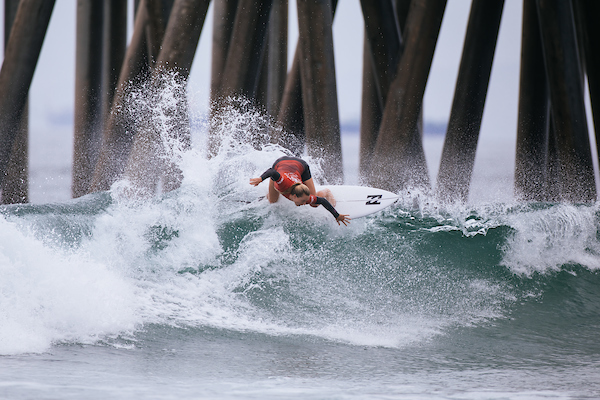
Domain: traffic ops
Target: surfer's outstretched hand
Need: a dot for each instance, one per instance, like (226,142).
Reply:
(255,181)
(344,219)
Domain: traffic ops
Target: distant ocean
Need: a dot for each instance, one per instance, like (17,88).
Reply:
(209,292)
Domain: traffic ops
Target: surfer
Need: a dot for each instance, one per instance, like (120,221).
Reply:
(290,177)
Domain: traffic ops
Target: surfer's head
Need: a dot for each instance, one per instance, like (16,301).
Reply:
(300,194)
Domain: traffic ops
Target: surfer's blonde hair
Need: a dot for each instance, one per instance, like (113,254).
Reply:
(300,189)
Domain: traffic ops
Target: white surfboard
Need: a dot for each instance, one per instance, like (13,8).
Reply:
(358,201)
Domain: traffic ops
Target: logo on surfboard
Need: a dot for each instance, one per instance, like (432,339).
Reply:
(373,199)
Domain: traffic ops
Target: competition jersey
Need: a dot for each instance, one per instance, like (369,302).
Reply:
(286,172)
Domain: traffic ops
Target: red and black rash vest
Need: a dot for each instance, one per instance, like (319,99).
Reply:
(286,172)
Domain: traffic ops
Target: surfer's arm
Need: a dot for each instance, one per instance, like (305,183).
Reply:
(270,173)
(325,203)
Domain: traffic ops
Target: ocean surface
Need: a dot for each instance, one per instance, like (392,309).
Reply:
(209,292)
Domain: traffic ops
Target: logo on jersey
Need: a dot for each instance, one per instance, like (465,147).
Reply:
(293,177)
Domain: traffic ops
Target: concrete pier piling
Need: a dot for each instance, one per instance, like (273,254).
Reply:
(15,186)
(563,70)
(277,56)
(246,46)
(244,31)
(587,16)
(370,114)
(531,164)
(88,93)
(223,18)
(319,92)
(114,44)
(147,164)
(291,111)
(458,155)
(118,130)
(398,157)
(20,60)
(384,39)
(382,50)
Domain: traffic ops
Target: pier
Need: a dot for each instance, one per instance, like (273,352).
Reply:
(559,67)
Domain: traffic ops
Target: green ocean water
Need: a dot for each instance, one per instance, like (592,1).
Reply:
(209,292)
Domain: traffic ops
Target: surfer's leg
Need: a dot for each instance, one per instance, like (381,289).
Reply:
(273,194)
(328,195)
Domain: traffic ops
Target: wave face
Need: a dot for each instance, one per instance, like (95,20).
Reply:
(214,254)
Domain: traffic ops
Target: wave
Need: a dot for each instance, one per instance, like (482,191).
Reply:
(212,254)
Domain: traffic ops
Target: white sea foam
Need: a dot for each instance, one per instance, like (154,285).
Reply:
(48,295)
(546,239)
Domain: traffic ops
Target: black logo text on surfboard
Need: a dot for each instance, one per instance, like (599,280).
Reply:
(373,199)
